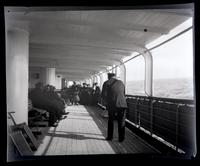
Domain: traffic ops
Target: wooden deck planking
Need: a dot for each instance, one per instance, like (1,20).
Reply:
(84,131)
(60,149)
(132,143)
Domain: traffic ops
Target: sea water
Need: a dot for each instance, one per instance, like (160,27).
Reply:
(180,88)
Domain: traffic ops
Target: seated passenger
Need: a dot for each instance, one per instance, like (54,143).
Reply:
(74,94)
(35,114)
(40,100)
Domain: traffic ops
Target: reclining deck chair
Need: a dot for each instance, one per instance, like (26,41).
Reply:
(20,143)
(22,136)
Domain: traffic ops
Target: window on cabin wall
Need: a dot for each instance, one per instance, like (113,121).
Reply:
(135,76)
(173,68)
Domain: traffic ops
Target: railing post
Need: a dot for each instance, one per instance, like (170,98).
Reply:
(151,120)
(177,125)
(148,73)
(138,112)
(135,111)
(123,73)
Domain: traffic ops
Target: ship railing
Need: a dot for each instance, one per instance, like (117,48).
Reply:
(171,120)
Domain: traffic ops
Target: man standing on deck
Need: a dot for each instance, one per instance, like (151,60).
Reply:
(113,93)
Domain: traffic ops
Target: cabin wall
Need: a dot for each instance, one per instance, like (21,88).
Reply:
(17,54)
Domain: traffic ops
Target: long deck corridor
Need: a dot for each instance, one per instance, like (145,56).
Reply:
(83,132)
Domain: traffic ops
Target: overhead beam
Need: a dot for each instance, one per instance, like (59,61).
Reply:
(78,70)
(74,61)
(81,67)
(75,58)
(85,55)
(175,12)
(87,8)
(93,24)
(108,26)
(86,67)
(81,48)
(75,74)
(83,43)
(70,37)
(71,48)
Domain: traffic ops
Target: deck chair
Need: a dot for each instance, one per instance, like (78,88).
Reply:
(26,131)
(21,143)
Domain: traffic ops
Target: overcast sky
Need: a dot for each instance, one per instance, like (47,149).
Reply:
(171,60)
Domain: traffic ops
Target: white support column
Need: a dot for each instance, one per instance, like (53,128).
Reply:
(58,81)
(51,76)
(87,81)
(101,80)
(17,55)
(95,78)
(123,73)
(148,73)
(98,80)
(115,70)
(90,81)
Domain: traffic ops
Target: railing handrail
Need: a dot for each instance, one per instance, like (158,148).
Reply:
(151,116)
(173,100)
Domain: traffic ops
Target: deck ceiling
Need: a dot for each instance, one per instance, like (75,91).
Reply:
(81,43)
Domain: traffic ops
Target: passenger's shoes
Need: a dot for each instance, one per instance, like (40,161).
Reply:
(108,139)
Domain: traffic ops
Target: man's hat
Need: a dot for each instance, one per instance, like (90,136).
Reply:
(111,74)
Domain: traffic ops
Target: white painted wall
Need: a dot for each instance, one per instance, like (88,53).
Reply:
(17,54)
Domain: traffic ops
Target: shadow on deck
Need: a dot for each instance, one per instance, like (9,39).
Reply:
(83,132)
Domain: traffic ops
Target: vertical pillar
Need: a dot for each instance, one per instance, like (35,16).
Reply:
(90,81)
(86,81)
(98,80)
(115,70)
(17,54)
(101,80)
(58,81)
(123,73)
(148,73)
(51,76)
(95,79)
